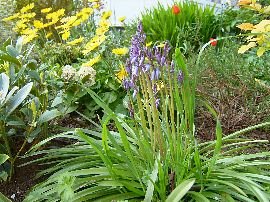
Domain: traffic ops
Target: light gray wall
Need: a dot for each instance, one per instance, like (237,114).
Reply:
(133,8)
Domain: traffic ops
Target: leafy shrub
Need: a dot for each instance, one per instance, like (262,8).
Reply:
(23,115)
(193,26)
(71,45)
(154,155)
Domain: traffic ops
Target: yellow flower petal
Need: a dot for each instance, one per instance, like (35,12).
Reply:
(76,41)
(246,26)
(244,48)
(106,15)
(260,51)
(149,44)
(38,24)
(122,19)
(161,45)
(120,51)
(244,2)
(27,8)
(121,74)
(92,61)
(46,10)
(66,35)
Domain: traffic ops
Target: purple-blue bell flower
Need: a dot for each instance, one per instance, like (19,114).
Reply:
(155,88)
(155,74)
(163,61)
(180,76)
(135,70)
(126,84)
(131,110)
(157,102)
(147,67)
(135,92)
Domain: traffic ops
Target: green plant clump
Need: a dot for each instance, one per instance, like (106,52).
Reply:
(191,27)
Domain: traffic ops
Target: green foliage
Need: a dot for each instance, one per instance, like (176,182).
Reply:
(232,17)
(193,26)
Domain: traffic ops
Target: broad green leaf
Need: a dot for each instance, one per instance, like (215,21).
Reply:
(5,44)
(33,135)
(18,98)
(4,85)
(19,44)
(48,115)
(3,158)
(180,191)
(9,58)
(9,95)
(12,51)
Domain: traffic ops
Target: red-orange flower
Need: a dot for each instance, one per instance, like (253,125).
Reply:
(213,42)
(176,10)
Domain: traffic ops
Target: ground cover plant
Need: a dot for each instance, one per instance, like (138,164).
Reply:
(162,121)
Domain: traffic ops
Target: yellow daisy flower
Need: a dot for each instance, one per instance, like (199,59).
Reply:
(121,74)
(76,41)
(122,19)
(120,51)
(66,35)
(92,61)
(46,10)
(106,15)
(38,24)
(27,8)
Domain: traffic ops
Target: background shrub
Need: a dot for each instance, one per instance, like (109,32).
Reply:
(192,26)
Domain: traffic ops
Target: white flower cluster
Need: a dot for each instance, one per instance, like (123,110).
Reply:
(85,74)
(68,72)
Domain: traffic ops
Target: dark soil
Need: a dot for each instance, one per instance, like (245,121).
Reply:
(22,181)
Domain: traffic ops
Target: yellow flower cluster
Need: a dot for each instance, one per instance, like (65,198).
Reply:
(26,25)
(260,35)
(99,37)
(73,21)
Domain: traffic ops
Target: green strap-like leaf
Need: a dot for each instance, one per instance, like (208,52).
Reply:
(180,191)
(3,198)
